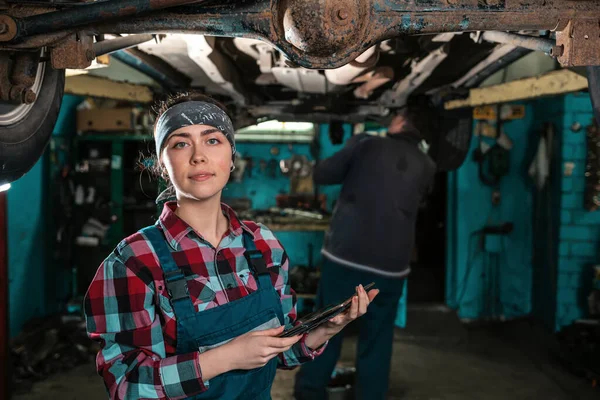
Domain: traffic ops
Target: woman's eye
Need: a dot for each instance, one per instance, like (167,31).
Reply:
(213,141)
(179,145)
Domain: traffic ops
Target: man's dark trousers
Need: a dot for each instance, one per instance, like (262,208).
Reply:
(376,327)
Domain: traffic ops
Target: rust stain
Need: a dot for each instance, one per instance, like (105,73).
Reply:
(10,28)
(72,53)
(580,43)
(35,42)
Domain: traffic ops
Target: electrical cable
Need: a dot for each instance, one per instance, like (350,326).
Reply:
(469,267)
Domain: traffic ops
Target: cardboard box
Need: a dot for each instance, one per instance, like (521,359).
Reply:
(106,120)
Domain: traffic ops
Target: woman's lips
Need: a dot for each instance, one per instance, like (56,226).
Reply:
(201,177)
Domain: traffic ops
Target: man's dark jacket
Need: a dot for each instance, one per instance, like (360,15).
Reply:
(384,180)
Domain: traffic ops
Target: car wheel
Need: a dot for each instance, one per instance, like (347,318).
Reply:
(25,129)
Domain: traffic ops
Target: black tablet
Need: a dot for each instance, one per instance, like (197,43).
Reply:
(317,318)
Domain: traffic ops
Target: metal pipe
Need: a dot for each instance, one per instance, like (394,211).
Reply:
(154,67)
(548,46)
(112,45)
(93,13)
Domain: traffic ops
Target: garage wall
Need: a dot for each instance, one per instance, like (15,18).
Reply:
(262,190)
(492,276)
(33,290)
(579,235)
(27,247)
(546,268)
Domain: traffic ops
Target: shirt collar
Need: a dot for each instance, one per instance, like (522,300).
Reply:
(176,229)
(409,135)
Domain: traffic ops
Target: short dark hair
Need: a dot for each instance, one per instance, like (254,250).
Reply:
(419,119)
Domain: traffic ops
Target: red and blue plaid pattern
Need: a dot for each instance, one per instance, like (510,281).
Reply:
(128,310)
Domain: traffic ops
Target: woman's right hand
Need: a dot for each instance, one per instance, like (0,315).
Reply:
(256,349)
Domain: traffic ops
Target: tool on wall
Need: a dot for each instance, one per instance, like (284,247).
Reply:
(272,168)
(493,158)
(249,166)
(297,166)
(263,166)
(490,247)
(299,169)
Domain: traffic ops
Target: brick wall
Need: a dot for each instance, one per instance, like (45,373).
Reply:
(579,231)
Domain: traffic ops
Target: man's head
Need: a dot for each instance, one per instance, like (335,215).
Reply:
(397,125)
(402,122)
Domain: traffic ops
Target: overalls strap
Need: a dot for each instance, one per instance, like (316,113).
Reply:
(174,276)
(256,261)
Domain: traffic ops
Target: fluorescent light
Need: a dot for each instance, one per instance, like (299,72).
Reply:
(5,187)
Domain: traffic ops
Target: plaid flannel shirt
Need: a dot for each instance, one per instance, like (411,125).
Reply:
(129,313)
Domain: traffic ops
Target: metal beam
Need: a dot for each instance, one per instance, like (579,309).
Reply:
(92,13)
(112,45)
(550,84)
(85,85)
(154,67)
(323,34)
(420,71)
(547,46)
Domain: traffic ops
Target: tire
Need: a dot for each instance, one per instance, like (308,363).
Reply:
(23,141)
(449,147)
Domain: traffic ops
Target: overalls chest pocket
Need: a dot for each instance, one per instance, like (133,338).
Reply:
(266,319)
(260,377)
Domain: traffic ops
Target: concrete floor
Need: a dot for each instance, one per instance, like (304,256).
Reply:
(435,358)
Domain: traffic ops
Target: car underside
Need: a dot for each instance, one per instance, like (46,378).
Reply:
(330,61)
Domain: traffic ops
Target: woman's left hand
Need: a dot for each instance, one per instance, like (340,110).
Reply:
(360,302)
(323,333)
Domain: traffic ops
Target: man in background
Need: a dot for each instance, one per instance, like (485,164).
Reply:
(370,240)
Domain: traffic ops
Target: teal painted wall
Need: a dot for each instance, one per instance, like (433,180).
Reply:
(546,263)
(34,283)
(27,247)
(502,270)
(262,190)
(579,234)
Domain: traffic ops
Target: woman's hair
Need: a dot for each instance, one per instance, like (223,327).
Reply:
(153,164)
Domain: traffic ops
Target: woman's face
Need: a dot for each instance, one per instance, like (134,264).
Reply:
(198,159)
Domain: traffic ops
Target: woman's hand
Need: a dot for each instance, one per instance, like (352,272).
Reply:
(360,302)
(323,333)
(256,349)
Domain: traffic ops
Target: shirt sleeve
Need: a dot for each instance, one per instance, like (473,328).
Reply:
(120,315)
(333,170)
(300,352)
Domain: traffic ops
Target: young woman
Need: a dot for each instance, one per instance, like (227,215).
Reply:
(192,306)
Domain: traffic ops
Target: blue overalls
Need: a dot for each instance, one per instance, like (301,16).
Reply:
(201,331)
